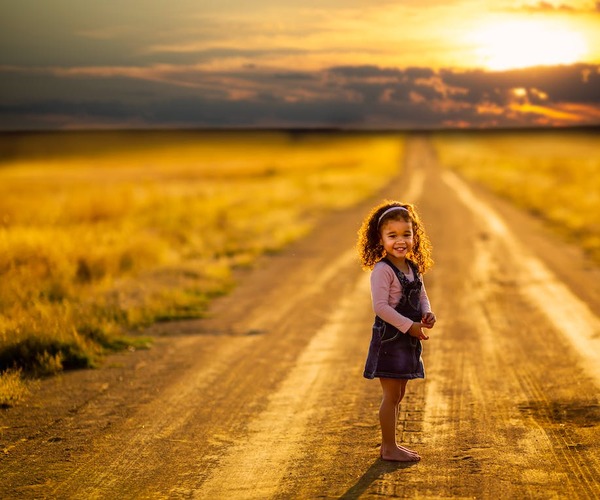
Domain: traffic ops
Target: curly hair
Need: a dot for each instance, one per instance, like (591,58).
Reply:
(369,245)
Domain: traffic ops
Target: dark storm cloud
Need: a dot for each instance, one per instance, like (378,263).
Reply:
(368,71)
(345,97)
(101,109)
(217,54)
(271,111)
(578,83)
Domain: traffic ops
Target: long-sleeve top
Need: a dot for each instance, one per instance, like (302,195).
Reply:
(386,292)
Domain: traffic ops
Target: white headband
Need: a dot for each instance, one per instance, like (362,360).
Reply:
(388,211)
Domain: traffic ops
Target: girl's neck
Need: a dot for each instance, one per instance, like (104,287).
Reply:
(401,264)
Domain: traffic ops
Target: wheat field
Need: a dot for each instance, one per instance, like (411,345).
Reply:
(102,234)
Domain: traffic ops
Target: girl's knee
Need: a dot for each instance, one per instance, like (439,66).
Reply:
(393,399)
(393,390)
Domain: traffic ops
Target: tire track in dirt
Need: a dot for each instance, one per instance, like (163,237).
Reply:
(501,368)
(119,458)
(150,431)
(208,395)
(544,291)
(257,467)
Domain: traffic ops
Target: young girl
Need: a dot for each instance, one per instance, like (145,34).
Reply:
(393,243)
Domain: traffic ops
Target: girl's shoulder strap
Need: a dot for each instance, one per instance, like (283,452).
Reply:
(399,273)
(415,268)
(389,263)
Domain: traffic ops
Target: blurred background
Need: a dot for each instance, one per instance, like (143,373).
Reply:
(148,149)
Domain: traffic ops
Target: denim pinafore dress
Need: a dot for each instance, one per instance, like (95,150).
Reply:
(393,354)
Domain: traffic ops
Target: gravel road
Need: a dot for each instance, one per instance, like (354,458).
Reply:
(265,398)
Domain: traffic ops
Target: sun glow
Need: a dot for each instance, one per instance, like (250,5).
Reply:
(525,43)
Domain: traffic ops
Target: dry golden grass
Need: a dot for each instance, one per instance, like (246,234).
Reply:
(553,174)
(12,388)
(103,234)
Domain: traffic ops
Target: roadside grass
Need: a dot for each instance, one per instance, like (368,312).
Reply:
(13,389)
(552,174)
(98,242)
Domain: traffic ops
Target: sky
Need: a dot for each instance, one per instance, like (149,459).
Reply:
(350,64)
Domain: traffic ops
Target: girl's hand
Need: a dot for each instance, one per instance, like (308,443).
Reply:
(428,320)
(416,330)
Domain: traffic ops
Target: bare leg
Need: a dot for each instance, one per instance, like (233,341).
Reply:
(403,391)
(393,390)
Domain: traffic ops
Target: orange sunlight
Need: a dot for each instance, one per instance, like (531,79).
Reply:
(523,43)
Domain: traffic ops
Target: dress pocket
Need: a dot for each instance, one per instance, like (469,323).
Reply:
(400,356)
(389,333)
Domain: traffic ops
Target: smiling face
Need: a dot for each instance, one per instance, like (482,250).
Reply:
(397,239)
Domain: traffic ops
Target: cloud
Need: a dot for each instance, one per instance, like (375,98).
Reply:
(548,7)
(553,7)
(354,97)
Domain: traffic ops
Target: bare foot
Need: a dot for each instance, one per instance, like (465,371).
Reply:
(399,454)
(408,450)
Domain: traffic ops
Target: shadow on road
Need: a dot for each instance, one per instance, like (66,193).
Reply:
(377,470)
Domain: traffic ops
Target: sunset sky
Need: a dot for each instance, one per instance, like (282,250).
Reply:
(357,64)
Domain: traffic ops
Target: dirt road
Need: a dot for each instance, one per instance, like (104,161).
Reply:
(266,398)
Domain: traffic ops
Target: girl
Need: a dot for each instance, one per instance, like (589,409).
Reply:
(393,243)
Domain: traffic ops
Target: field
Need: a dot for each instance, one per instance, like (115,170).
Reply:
(102,234)
(554,175)
(264,396)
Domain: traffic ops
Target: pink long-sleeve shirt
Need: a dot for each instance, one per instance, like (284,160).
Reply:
(386,292)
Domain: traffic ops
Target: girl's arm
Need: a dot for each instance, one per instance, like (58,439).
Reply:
(424,300)
(428,316)
(381,283)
